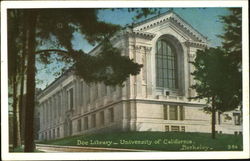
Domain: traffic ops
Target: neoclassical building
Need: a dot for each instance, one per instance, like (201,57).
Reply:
(154,100)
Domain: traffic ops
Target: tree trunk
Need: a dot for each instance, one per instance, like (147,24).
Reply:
(29,144)
(18,123)
(21,105)
(14,106)
(22,75)
(213,119)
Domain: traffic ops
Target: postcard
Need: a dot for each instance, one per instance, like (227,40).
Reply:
(84,80)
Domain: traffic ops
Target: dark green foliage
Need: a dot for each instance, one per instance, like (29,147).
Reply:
(107,66)
(232,38)
(218,71)
(213,79)
(31,29)
(232,44)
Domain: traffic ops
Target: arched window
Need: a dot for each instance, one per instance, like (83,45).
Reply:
(166,65)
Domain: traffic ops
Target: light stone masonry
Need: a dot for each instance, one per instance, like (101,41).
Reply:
(147,102)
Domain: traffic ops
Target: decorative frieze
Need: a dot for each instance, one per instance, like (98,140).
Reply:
(173,18)
(195,44)
(139,34)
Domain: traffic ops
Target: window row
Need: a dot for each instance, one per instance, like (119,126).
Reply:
(91,121)
(174,128)
(173,112)
(51,134)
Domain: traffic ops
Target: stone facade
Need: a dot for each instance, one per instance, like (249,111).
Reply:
(69,106)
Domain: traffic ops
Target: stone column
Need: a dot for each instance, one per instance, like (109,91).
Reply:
(186,52)
(46,113)
(55,108)
(75,96)
(126,115)
(91,94)
(51,111)
(59,105)
(168,111)
(85,94)
(133,116)
(138,80)
(148,70)
(144,71)
(81,94)
(41,115)
(191,78)
(132,55)
(65,101)
(178,112)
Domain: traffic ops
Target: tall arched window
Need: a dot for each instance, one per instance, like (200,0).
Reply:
(166,65)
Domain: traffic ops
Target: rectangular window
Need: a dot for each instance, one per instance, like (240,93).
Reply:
(49,134)
(86,123)
(79,125)
(93,121)
(54,133)
(219,118)
(102,118)
(236,118)
(111,114)
(173,112)
(167,128)
(175,128)
(58,132)
(183,129)
(182,113)
(71,99)
(165,112)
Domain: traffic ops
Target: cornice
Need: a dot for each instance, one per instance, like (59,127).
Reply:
(196,44)
(173,18)
(145,35)
(54,84)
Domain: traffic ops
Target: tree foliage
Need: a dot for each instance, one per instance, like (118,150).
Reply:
(232,44)
(29,29)
(218,76)
(232,38)
(213,79)
(108,66)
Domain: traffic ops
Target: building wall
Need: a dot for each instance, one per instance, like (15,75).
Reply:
(140,104)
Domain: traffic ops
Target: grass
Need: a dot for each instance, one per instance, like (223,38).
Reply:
(162,141)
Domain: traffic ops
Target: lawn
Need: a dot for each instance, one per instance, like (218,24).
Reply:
(160,141)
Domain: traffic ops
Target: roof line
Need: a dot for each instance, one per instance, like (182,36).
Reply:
(152,18)
(166,13)
(190,25)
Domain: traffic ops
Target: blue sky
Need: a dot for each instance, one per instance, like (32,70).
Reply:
(205,20)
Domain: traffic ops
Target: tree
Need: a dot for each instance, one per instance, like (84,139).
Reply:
(213,83)
(57,26)
(232,44)
(14,74)
(218,71)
